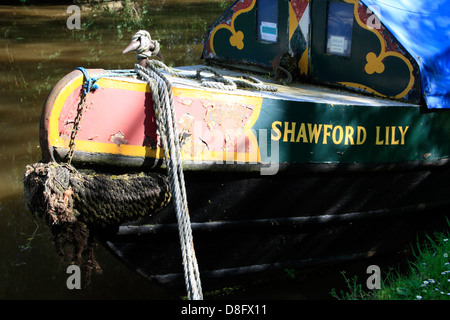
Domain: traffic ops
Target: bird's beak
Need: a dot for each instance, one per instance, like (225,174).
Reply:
(132,46)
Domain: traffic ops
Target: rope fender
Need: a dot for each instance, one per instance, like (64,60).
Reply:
(72,202)
(62,195)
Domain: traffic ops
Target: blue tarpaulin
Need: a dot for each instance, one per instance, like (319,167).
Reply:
(423,28)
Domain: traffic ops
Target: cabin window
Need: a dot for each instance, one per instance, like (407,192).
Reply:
(267,21)
(339,28)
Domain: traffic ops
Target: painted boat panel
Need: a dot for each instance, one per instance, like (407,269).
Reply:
(238,130)
(321,133)
(127,124)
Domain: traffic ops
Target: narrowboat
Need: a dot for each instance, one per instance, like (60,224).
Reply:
(337,147)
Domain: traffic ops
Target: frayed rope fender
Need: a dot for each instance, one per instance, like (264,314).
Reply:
(72,202)
(61,195)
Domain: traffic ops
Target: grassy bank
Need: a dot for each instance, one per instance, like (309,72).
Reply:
(427,277)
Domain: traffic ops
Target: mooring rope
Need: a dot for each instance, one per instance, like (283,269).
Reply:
(216,81)
(161,89)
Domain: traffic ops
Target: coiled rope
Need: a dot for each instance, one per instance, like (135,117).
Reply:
(161,89)
(149,47)
(216,81)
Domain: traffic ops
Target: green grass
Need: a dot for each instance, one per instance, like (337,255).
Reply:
(427,278)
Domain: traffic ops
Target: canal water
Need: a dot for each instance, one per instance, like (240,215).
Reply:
(37,49)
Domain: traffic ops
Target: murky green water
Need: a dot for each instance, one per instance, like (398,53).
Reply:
(36,50)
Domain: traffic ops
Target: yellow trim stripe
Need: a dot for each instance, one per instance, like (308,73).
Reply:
(141,151)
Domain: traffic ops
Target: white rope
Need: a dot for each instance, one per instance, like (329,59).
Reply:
(217,81)
(161,89)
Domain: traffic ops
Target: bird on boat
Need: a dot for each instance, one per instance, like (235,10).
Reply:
(144,46)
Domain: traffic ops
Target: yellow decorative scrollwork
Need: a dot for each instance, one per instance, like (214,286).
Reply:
(237,37)
(237,40)
(375,62)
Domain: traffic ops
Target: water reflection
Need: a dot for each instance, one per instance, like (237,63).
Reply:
(36,50)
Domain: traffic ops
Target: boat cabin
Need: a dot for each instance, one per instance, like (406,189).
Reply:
(329,42)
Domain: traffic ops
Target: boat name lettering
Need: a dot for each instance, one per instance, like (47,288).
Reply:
(336,134)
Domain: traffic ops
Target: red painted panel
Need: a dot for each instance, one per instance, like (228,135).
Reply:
(109,114)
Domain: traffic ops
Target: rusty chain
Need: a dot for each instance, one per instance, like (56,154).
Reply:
(76,126)
(89,85)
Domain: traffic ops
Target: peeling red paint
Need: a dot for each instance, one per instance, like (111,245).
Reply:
(118,138)
(186,121)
